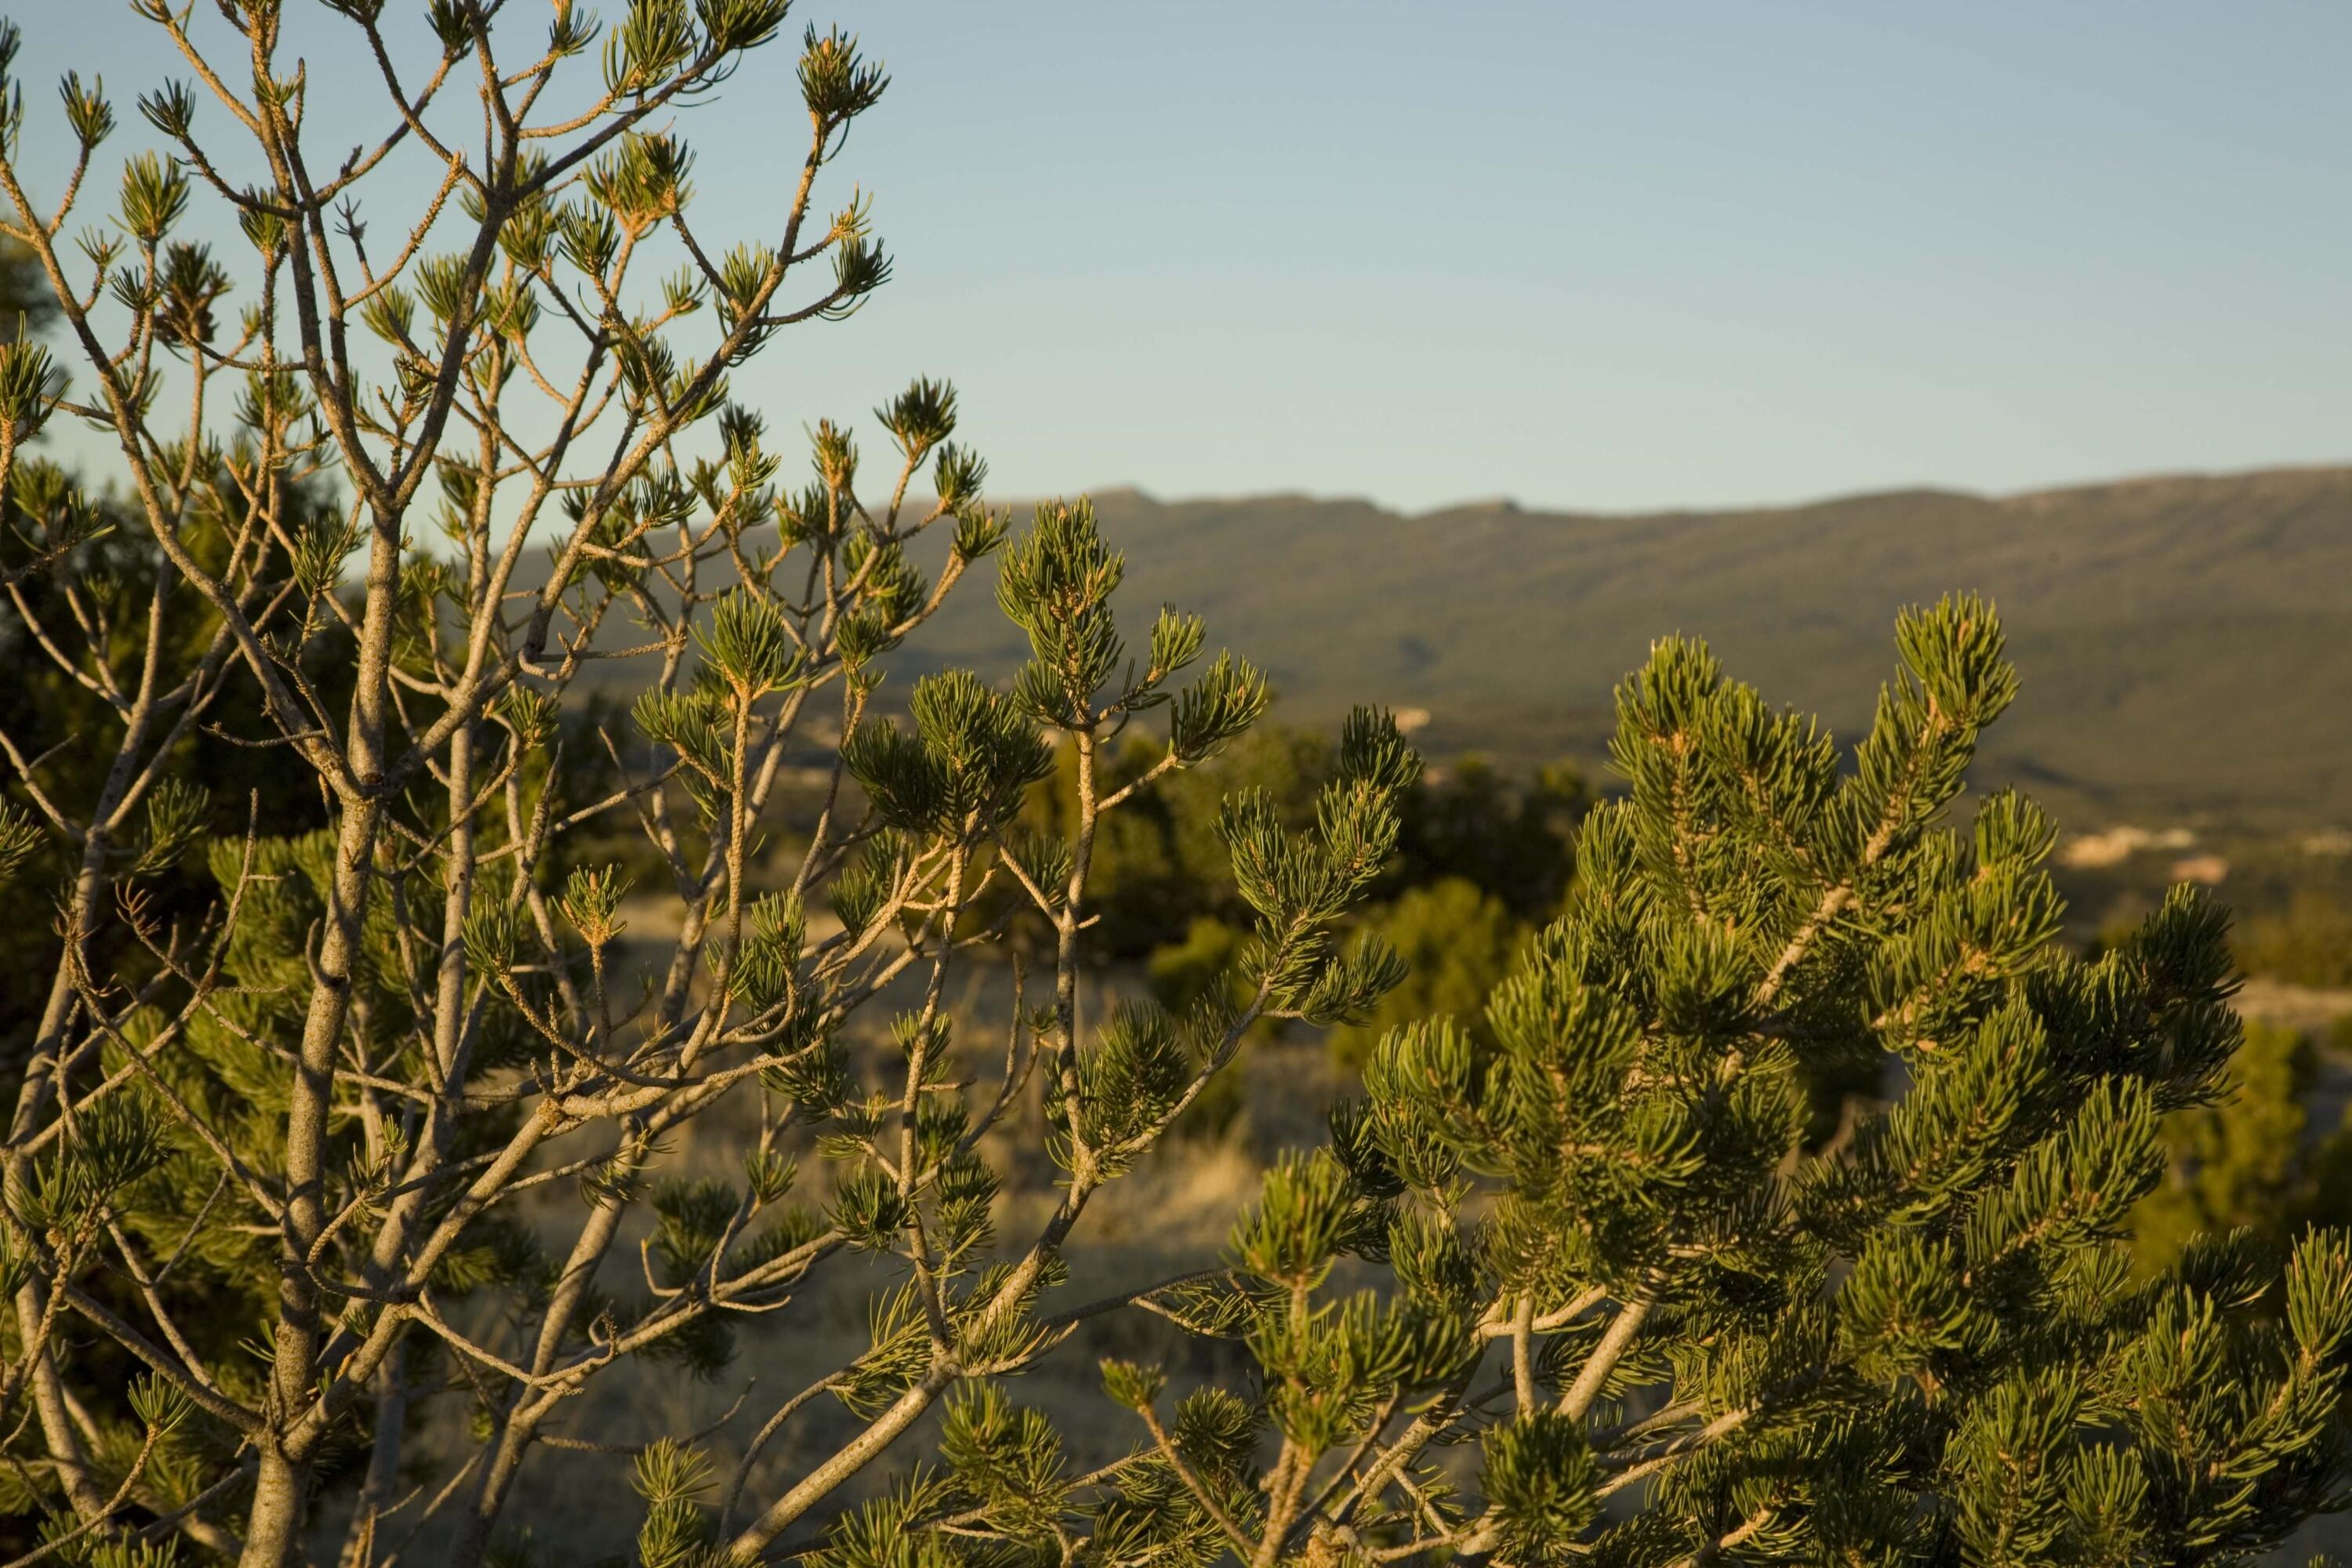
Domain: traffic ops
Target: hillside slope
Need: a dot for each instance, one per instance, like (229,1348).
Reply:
(2186,642)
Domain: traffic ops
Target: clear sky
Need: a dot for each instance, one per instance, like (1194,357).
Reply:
(1609,256)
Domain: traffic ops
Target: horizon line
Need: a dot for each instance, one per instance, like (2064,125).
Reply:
(1802,503)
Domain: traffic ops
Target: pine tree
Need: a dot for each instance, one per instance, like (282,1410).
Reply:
(1571,1289)
(337,1134)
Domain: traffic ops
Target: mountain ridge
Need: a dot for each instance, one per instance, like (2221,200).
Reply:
(2179,480)
(2185,639)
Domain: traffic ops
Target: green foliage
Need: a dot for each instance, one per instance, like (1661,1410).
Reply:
(30,383)
(155,196)
(672,1479)
(965,768)
(1589,1236)
(1542,1483)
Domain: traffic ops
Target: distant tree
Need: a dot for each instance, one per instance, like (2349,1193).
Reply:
(1163,867)
(26,305)
(1509,838)
(2309,942)
(1457,942)
(2251,1162)
(2235,1163)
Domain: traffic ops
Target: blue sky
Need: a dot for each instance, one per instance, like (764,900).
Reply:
(1615,256)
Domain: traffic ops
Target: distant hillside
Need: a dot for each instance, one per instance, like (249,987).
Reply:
(2186,643)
